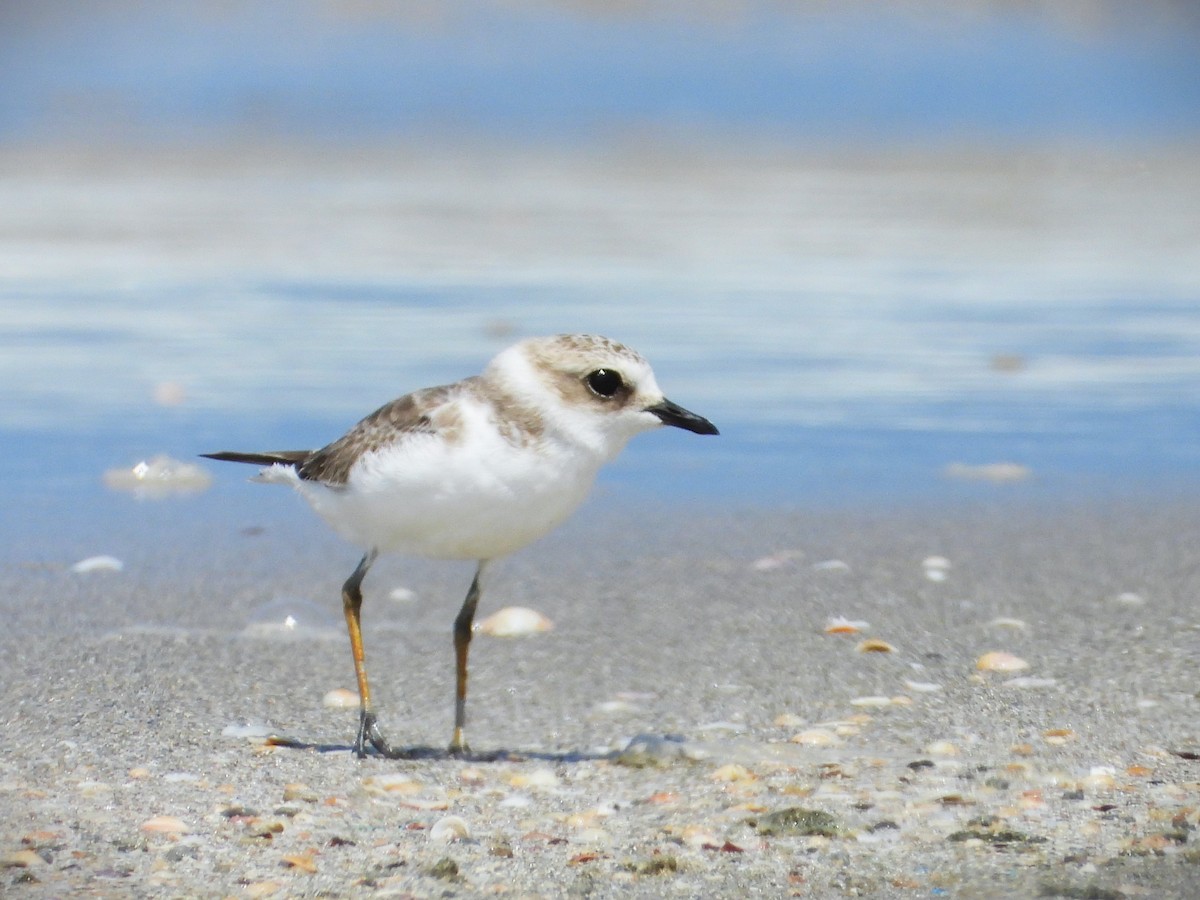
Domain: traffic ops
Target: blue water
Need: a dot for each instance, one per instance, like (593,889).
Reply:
(870,405)
(867,244)
(814,72)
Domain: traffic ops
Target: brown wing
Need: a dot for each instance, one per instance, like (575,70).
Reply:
(410,414)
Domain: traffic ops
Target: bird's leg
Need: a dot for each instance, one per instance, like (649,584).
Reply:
(462,643)
(368,728)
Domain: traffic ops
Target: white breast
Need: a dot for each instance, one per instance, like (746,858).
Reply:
(478,496)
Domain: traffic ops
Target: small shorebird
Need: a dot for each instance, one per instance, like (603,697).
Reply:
(474,470)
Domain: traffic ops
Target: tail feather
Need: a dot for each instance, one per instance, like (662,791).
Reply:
(294,458)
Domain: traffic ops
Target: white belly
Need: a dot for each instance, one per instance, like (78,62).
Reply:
(462,501)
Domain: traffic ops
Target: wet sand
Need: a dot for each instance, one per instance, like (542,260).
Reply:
(137,706)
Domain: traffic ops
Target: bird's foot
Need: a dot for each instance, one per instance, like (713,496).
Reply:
(458,745)
(369,733)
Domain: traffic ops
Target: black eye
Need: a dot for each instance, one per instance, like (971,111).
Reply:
(605,382)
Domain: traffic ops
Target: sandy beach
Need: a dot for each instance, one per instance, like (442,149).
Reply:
(922,622)
(661,740)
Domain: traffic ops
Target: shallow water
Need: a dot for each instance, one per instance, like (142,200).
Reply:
(854,327)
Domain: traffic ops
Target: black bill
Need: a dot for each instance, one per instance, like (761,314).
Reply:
(674,414)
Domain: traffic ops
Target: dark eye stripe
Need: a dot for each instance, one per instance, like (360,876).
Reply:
(605,382)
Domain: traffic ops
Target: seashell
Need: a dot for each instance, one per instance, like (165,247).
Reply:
(48,840)
(160,476)
(514,621)
(247,730)
(1058,736)
(449,829)
(393,783)
(997,473)
(425,804)
(789,720)
(922,687)
(697,837)
(936,567)
(262,888)
(538,778)
(842,625)
(301,862)
(291,619)
(593,837)
(340,698)
(164,825)
(874,645)
(871,701)
(1100,778)
(1028,681)
(21,859)
(1005,622)
(733,772)
(815,737)
(615,707)
(1032,799)
(98,564)
(297,791)
(774,561)
(942,748)
(999,661)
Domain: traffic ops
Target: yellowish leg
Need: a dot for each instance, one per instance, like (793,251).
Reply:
(462,644)
(368,728)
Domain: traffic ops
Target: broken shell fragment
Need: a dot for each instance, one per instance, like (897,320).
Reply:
(936,567)
(815,737)
(158,477)
(874,645)
(1006,622)
(997,473)
(301,862)
(733,772)
(942,748)
(340,698)
(514,621)
(922,687)
(164,825)
(448,829)
(842,625)
(873,701)
(21,859)
(98,564)
(1029,681)
(538,778)
(999,661)
(1058,736)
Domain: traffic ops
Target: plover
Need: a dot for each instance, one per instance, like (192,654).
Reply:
(474,470)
